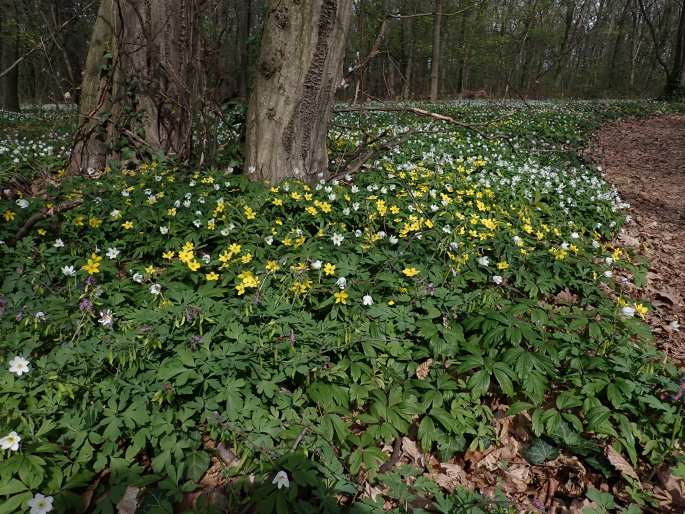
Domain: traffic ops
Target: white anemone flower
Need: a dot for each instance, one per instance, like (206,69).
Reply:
(281,480)
(628,312)
(337,239)
(10,442)
(106,318)
(155,289)
(40,504)
(68,271)
(19,365)
(367,300)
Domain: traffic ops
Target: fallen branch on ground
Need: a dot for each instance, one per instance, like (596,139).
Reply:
(425,114)
(42,214)
(365,156)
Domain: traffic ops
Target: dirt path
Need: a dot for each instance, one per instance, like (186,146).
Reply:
(645,160)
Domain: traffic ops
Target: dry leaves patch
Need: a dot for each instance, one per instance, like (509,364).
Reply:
(645,161)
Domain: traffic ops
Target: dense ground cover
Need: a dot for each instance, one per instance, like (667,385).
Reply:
(291,337)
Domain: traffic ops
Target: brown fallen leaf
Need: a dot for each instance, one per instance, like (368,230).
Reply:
(629,240)
(566,297)
(516,478)
(620,463)
(571,476)
(449,477)
(129,502)
(674,486)
(371,491)
(411,450)
(423,369)
(666,297)
(494,458)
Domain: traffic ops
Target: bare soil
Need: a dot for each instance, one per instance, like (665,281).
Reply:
(645,160)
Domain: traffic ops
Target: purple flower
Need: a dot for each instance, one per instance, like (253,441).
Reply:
(537,503)
(85,304)
(90,280)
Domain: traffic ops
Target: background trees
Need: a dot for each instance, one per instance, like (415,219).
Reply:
(532,48)
(156,76)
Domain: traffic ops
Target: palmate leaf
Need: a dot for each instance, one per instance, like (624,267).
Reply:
(540,452)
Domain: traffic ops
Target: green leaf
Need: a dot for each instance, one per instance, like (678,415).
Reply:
(196,465)
(605,500)
(540,452)
(518,407)
(15,503)
(14,486)
(427,433)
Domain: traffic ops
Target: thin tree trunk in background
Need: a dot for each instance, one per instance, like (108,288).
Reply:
(461,79)
(9,53)
(407,27)
(675,82)
(568,23)
(616,53)
(435,59)
(298,73)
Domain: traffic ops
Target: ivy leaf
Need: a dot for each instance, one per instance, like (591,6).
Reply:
(540,452)
(197,463)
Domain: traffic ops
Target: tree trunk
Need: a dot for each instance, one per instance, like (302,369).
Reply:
(140,83)
(299,70)
(9,53)
(245,17)
(675,81)
(435,59)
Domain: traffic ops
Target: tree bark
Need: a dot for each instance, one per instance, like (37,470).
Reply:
(90,150)
(9,53)
(675,81)
(140,83)
(435,59)
(298,73)
(244,21)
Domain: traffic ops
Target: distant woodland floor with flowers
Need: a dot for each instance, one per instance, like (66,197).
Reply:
(462,326)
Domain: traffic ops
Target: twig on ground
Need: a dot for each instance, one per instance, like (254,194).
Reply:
(365,156)
(42,214)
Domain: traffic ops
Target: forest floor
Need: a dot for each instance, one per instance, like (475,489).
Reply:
(645,160)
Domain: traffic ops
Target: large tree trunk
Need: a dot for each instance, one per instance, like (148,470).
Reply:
(435,59)
(140,83)
(299,70)
(9,53)
(244,23)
